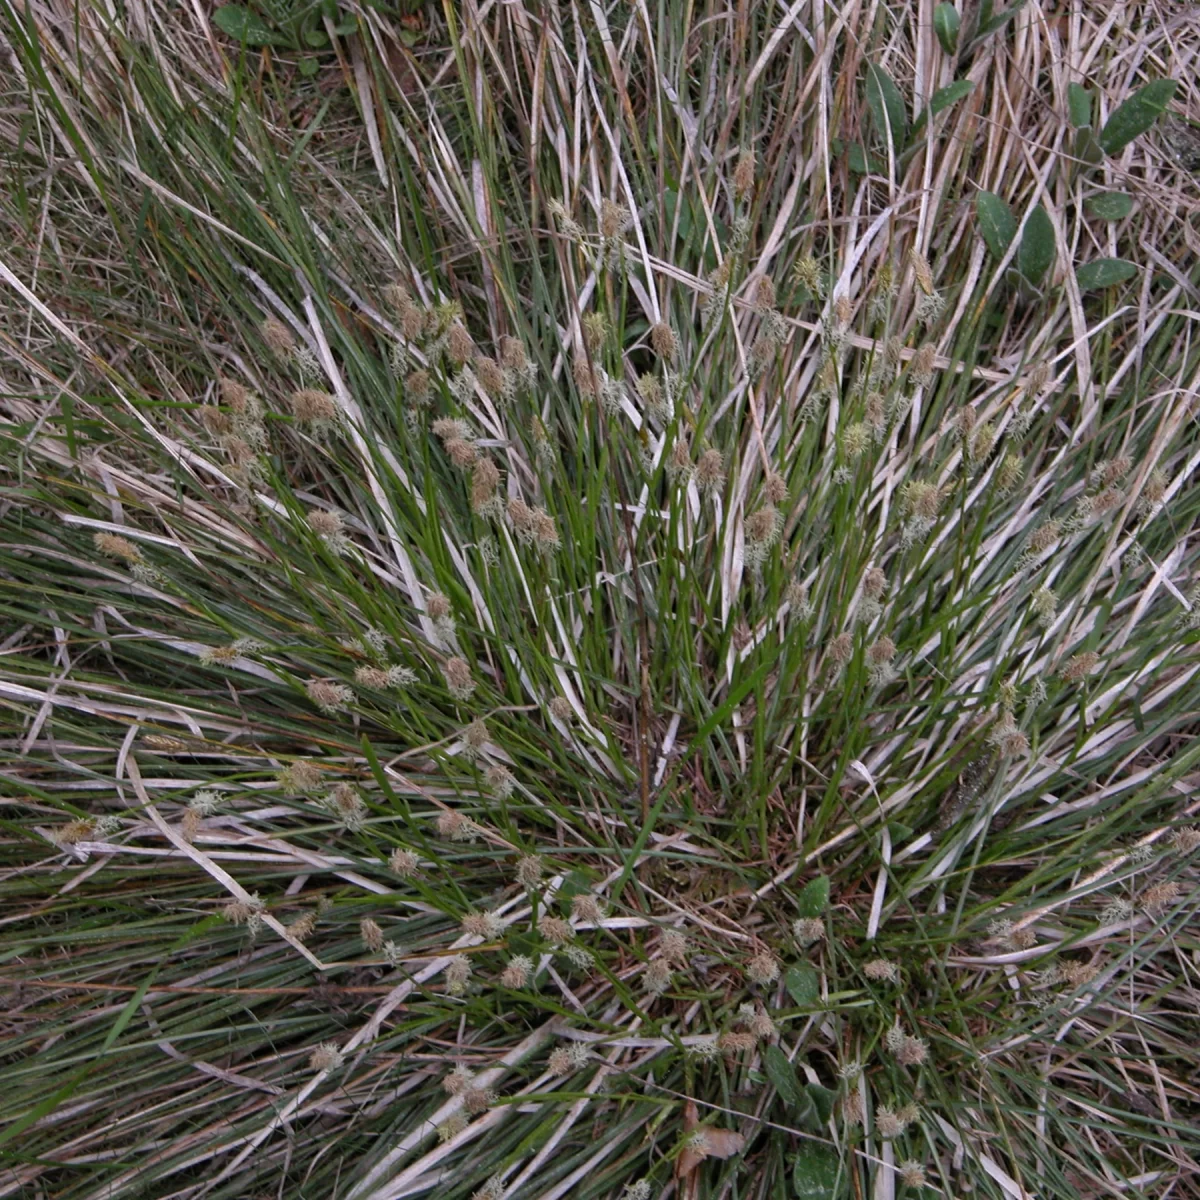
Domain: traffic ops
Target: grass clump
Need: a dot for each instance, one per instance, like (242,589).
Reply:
(585,618)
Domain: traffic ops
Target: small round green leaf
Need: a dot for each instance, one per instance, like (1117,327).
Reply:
(1110,206)
(817,1172)
(814,897)
(782,1075)
(1079,105)
(803,984)
(1136,115)
(996,222)
(1037,250)
(242,24)
(945,25)
(887,106)
(1104,272)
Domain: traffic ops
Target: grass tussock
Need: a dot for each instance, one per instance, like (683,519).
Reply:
(599,600)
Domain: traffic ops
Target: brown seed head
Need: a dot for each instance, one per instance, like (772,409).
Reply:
(762,526)
(312,404)
(1080,665)
(613,218)
(490,374)
(595,330)
(458,678)
(115,546)
(437,605)
(874,583)
(512,353)
(459,345)
(743,174)
(775,490)
(710,470)
(881,651)
(764,293)
(279,338)
(922,271)
(324,523)
(372,935)
(555,930)
(462,453)
(1045,536)
(841,649)
(663,340)
(416,386)
(371,677)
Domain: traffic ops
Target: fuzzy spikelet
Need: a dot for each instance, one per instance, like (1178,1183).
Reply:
(457,828)
(371,934)
(458,678)
(485,925)
(459,346)
(840,650)
(404,863)
(762,968)
(664,341)
(808,931)
(115,546)
(300,776)
(311,404)
(1185,839)
(346,805)
(329,697)
(555,930)
(279,338)
(326,1057)
(1156,900)
(529,870)
(458,975)
(517,972)
(1080,665)
(710,472)
(881,971)
(657,977)
(586,908)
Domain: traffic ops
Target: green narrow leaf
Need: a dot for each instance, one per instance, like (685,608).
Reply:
(996,222)
(1086,147)
(817,1172)
(1110,206)
(803,984)
(782,1075)
(991,24)
(1136,115)
(244,25)
(946,24)
(1104,272)
(887,106)
(822,1098)
(1037,251)
(1079,104)
(814,897)
(952,93)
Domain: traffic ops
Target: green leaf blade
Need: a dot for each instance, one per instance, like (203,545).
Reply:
(997,223)
(1038,249)
(1104,272)
(243,25)
(1110,206)
(1132,118)
(946,24)
(887,106)
(803,985)
(814,897)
